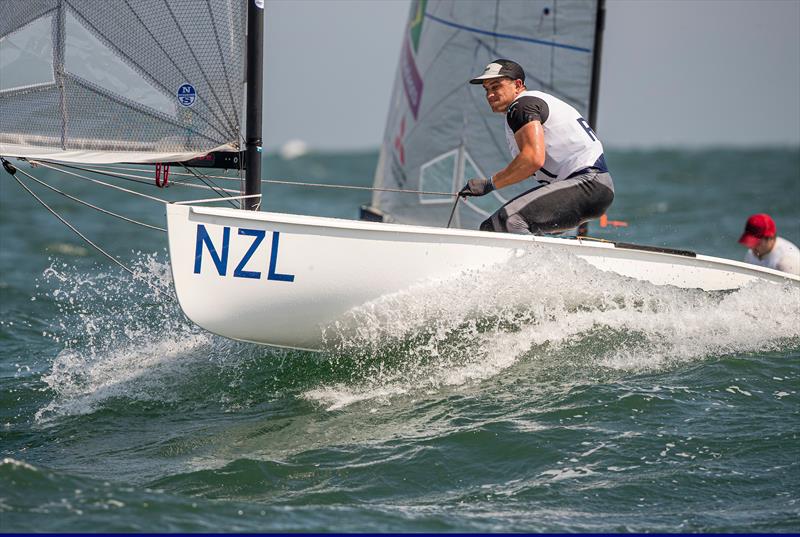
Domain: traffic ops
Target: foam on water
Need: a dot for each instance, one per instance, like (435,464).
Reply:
(557,312)
(556,317)
(121,337)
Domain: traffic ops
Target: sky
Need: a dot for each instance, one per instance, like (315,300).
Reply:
(676,73)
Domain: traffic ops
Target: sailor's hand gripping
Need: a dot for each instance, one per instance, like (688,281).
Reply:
(476,187)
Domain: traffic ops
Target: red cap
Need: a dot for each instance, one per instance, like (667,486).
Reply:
(758,227)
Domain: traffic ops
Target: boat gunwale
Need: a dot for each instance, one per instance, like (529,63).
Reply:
(418,231)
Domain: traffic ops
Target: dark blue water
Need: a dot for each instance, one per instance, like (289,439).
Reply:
(604,405)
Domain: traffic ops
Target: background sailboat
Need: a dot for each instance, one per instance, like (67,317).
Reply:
(440,131)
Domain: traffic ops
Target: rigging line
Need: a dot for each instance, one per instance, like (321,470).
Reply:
(171,173)
(140,179)
(353,187)
(81,235)
(130,177)
(204,187)
(293,183)
(110,171)
(324,185)
(46,165)
(126,169)
(268,181)
(242,170)
(453,211)
(100,209)
(213,186)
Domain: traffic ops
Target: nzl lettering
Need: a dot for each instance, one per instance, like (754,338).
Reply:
(220,259)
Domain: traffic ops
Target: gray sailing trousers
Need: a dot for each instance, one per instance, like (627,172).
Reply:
(555,207)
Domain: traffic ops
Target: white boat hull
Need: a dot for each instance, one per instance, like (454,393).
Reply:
(279,279)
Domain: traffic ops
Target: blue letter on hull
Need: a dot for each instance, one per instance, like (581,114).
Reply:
(273,261)
(221,260)
(238,272)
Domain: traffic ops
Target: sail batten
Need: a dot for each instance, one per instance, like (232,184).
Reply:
(163,79)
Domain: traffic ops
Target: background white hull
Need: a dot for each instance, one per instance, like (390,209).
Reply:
(284,294)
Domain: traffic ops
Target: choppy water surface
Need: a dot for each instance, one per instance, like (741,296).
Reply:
(540,395)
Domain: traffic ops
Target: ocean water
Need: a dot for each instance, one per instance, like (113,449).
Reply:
(547,397)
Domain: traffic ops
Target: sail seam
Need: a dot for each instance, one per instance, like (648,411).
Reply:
(31,88)
(59,54)
(506,36)
(21,24)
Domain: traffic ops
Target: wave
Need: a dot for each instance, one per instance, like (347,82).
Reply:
(55,501)
(559,314)
(546,321)
(121,337)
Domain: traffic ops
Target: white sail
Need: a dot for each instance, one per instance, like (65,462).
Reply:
(440,131)
(120,80)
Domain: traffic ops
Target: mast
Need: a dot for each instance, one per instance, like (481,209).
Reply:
(255,69)
(599,26)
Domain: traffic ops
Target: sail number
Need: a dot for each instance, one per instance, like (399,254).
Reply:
(220,257)
(585,126)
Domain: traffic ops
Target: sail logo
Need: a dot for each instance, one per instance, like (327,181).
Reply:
(415,25)
(186,95)
(412,81)
(220,257)
(398,142)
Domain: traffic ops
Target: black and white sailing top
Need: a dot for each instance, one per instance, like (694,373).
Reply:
(570,143)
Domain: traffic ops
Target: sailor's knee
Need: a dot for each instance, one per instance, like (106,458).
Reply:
(496,222)
(601,206)
(516,224)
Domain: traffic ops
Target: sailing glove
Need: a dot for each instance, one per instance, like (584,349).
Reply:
(477,187)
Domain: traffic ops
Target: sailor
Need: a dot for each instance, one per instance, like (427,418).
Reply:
(765,248)
(549,138)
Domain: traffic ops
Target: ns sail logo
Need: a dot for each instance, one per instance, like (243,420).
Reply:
(186,95)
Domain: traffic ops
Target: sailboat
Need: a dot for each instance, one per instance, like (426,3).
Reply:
(281,279)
